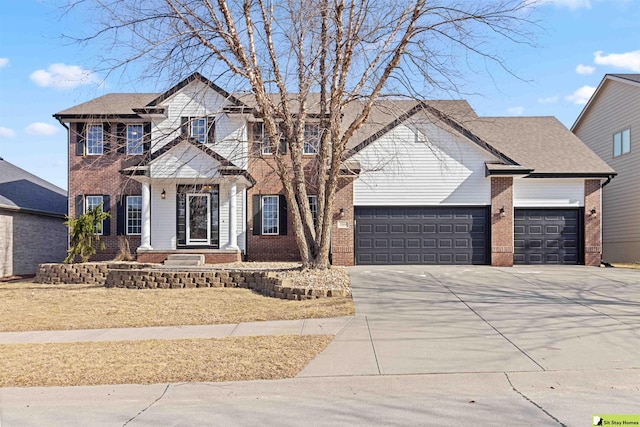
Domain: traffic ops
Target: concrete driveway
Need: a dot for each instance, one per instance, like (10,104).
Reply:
(421,319)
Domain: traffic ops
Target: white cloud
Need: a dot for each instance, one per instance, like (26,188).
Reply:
(4,62)
(63,76)
(571,4)
(581,96)
(585,69)
(628,60)
(515,111)
(40,128)
(6,132)
(548,100)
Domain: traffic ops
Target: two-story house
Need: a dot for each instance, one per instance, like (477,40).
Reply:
(610,125)
(427,182)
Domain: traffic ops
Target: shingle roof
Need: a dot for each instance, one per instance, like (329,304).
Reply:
(540,143)
(20,189)
(110,104)
(632,77)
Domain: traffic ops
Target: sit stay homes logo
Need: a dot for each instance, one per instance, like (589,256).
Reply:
(616,420)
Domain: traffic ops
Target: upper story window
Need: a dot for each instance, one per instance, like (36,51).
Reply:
(95,140)
(311,138)
(199,130)
(621,142)
(260,136)
(93,202)
(135,143)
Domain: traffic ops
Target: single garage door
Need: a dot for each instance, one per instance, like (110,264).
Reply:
(547,236)
(421,235)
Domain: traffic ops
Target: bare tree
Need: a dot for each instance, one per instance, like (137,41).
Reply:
(308,62)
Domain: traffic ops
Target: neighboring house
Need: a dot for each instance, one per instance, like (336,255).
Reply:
(424,182)
(610,125)
(32,215)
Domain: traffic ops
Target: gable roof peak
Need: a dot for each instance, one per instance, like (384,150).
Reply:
(194,77)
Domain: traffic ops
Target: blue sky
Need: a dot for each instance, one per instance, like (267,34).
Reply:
(42,73)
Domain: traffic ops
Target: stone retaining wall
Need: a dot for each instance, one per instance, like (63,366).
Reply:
(144,276)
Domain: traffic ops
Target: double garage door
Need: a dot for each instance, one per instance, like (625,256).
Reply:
(460,235)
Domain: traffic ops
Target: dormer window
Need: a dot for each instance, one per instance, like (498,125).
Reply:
(199,130)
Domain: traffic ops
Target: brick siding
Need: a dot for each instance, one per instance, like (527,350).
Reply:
(29,240)
(501,225)
(100,175)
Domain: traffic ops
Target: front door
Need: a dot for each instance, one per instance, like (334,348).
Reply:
(198,219)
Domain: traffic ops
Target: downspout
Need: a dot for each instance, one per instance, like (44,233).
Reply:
(602,261)
(68,157)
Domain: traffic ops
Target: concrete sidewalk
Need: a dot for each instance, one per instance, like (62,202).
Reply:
(328,326)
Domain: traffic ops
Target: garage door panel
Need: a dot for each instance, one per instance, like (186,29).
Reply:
(547,236)
(422,235)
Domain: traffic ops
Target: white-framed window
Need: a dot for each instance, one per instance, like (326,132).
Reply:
(95,140)
(313,206)
(199,129)
(134,215)
(270,208)
(621,142)
(311,138)
(135,144)
(92,202)
(260,136)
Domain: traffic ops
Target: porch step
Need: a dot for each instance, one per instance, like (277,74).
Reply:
(184,260)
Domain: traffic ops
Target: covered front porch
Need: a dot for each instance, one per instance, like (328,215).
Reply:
(193,201)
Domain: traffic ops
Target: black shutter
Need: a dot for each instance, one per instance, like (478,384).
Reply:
(106,207)
(147,138)
(79,128)
(211,136)
(184,126)
(121,138)
(121,215)
(106,138)
(79,205)
(282,215)
(181,215)
(257,215)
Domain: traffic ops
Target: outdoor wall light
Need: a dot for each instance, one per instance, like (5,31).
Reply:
(593,212)
(163,195)
(341,212)
(502,211)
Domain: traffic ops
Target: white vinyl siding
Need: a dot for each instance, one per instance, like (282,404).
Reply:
(548,193)
(616,108)
(185,161)
(135,139)
(422,166)
(95,140)
(163,215)
(199,100)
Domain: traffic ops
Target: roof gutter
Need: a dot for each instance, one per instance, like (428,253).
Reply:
(609,178)
(60,121)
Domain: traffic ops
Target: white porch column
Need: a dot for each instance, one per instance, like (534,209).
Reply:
(145,238)
(233,217)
